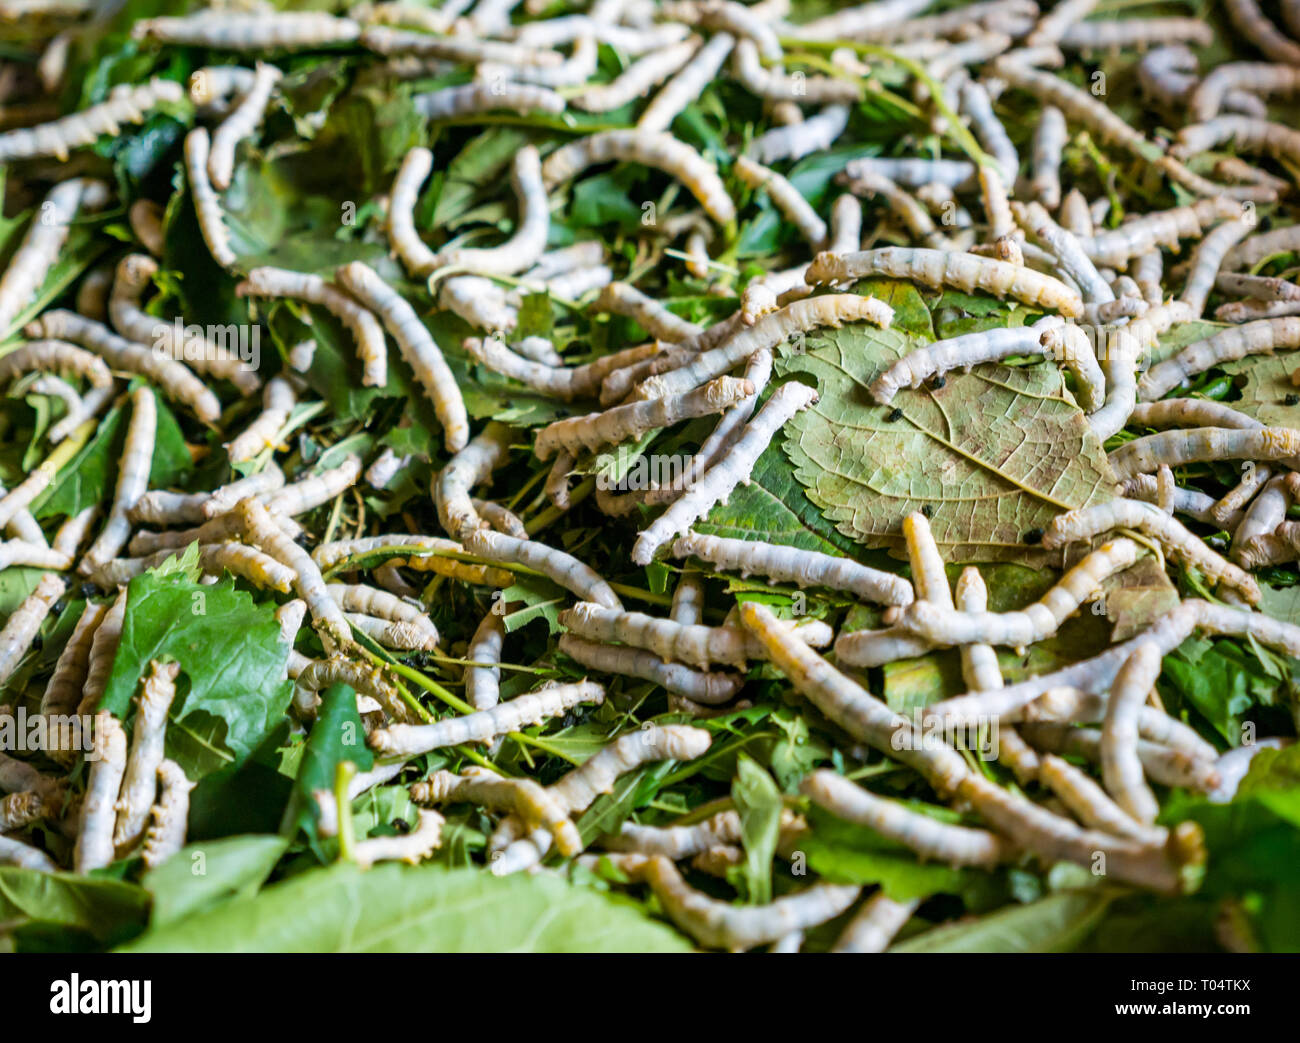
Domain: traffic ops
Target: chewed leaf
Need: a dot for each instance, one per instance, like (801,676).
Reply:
(991,454)
(1265,382)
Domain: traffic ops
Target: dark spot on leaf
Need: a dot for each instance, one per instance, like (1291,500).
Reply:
(1292,399)
(1033,536)
(928,511)
(938,382)
(401,825)
(895,415)
(1240,380)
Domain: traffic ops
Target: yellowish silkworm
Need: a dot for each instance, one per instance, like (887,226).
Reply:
(140,781)
(562,568)
(170,816)
(94,846)
(278,400)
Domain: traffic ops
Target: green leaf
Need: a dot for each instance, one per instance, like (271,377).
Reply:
(1224,681)
(229,649)
(992,454)
(394,908)
(1057,923)
(200,875)
(106,910)
(336,735)
(476,168)
(759,803)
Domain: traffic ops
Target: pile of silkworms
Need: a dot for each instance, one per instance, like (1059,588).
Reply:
(1049,214)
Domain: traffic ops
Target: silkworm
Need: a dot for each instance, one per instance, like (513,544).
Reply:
(621,299)
(1250,21)
(1124,349)
(573,71)
(910,211)
(483,726)
(957,174)
(582,254)
(992,135)
(483,683)
(132,480)
(103,650)
(94,846)
(411,848)
(522,797)
(146,220)
(20,809)
(1072,260)
(1086,522)
(687,85)
(415,256)
(63,690)
(637,79)
(699,686)
(1148,270)
(928,837)
(529,240)
(140,781)
(463,50)
(278,400)
(379,604)
(564,569)
(748,69)
(1199,444)
(923,364)
(261,531)
(169,817)
(361,323)
(1192,502)
(220,500)
(658,150)
(793,565)
(876,923)
(1120,767)
(54,356)
(319,674)
(1255,78)
(1259,287)
(308,493)
(788,199)
(629,422)
(207,206)
(124,105)
(1128,33)
(169,339)
(1261,246)
(718,482)
(675,842)
(259,569)
(417,347)
(473,98)
(695,645)
(468,468)
(242,122)
(1248,134)
(1089,803)
(935,268)
(796,318)
(427,551)
(1050,136)
(249,30)
(1253,338)
(1159,763)
(44,241)
(16,853)
(23,623)
(561,381)
(214,86)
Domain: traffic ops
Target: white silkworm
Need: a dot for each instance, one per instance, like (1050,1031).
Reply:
(468,468)
(796,318)
(63,690)
(170,816)
(629,422)
(688,600)
(815,134)
(132,481)
(1260,287)
(1253,338)
(1052,26)
(411,848)
(207,206)
(473,98)
(146,220)
(379,604)
(240,124)
(1147,271)
(235,558)
(1124,349)
(1089,803)
(483,726)
(54,356)
(1261,246)
(1251,22)
(915,217)
(943,627)
(16,853)
(748,69)
(718,482)
(928,837)
(936,268)
(23,623)
(523,797)
(214,86)
(706,688)
(417,347)
(261,531)
(361,323)
(43,242)
(1199,444)
(1248,134)
(169,340)
(103,650)
(124,105)
(686,87)
(583,254)
(278,400)
(311,492)
(1128,33)
(957,174)
(573,71)
(483,683)
(788,199)
(1256,78)
(719,925)
(479,301)
(876,923)
(1050,137)
(1120,766)
(316,675)
(249,30)
(696,645)
(94,847)
(1146,234)
(564,569)
(140,781)
(621,299)
(638,79)
(460,49)
(661,151)
(1191,502)
(1086,522)
(992,135)
(1072,260)
(792,565)
(561,381)
(416,258)
(1207,259)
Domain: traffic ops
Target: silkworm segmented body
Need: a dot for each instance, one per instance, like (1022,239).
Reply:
(1147,233)
(788,199)
(207,205)
(170,816)
(706,688)
(1208,258)
(240,124)
(54,356)
(23,623)
(472,98)
(1257,78)
(356,597)
(140,781)
(523,797)
(1199,444)
(471,466)
(278,400)
(1050,137)
(1251,22)
(687,86)
(483,683)
(411,848)
(132,480)
(94,847)
(562,568)
(249,30)
(622,299)
(485,725)
(124,105)
(747,67)
(103,650)
(1120,767)
(635,81)
(63,690)
(814,134)
(875,924)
